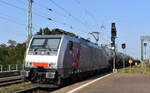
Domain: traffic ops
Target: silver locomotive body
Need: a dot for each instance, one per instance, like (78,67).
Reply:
(53,58)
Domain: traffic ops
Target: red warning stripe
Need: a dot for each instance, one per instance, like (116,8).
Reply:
(45,65)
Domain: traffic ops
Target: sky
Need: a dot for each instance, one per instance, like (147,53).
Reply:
(80,17)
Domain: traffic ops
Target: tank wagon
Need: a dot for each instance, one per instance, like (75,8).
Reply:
(54,58)
(51,59)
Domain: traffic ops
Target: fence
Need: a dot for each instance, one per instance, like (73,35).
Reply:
(12,67)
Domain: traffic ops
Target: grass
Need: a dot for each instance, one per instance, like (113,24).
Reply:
(15,87)
(138,69)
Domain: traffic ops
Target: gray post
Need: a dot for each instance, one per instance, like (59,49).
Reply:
(23,66)
(16,67)
(145,45)
(114,59)
(9,67)
(114,64)
(1,68)
(142,49)
(123,62)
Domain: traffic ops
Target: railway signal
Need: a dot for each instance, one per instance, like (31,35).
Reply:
(113,32)
(145,44)
(113,37)
(123,47)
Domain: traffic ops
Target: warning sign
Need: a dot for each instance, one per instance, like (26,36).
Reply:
(130,61)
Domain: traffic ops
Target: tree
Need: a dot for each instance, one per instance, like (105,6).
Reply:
(12,54)
(40,32)
(12,43)
(3,45)
(47,31)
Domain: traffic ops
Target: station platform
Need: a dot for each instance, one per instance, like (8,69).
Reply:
(114,83)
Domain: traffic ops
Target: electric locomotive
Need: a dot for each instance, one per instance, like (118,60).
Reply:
(54,58)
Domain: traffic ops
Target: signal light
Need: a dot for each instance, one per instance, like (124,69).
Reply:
(145,44)
(123,46)
(113,30)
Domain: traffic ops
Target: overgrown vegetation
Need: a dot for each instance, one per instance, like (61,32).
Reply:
(13,53)
(137,69)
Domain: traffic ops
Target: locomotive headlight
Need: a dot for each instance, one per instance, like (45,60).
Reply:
(42,52)
(52,65)
(29,64)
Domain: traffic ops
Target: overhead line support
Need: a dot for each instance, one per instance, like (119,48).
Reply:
(29,20)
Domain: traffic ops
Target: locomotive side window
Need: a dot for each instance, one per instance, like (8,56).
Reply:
(70,44)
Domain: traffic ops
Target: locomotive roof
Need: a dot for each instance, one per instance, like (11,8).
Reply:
(73,38)
(46,36)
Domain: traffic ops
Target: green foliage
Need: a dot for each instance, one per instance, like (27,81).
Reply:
(47,31)
(13,53)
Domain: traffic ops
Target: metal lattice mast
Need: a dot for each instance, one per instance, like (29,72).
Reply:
(29,20)
(29,27)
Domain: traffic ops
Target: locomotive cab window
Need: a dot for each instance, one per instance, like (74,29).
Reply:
(44,46)
(51,43)
(70,45)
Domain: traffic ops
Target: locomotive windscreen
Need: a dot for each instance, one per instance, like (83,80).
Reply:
(49,45)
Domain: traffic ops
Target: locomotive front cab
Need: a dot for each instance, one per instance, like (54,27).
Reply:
(41,58)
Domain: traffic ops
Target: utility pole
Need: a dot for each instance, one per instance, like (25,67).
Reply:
(29,21)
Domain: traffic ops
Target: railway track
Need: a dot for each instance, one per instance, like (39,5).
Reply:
(28,90)
(51,88)
(10,80)
(9,74)
(37,89)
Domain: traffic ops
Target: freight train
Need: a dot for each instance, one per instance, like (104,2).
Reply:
(51,59)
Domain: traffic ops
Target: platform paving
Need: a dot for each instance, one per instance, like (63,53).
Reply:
(115,83)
